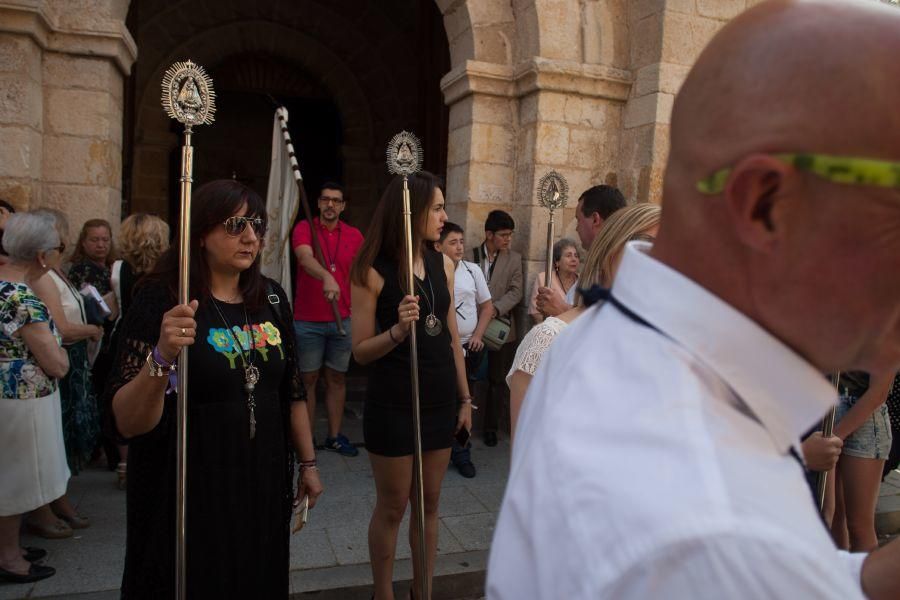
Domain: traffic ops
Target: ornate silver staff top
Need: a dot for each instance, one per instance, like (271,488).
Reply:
(404,154)
(553,191)
(187,94)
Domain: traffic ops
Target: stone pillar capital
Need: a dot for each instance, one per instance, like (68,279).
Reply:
(106,37)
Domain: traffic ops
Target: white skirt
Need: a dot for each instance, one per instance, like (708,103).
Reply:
(33,467)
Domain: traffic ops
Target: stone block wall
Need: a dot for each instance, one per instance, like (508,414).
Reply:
(62,67)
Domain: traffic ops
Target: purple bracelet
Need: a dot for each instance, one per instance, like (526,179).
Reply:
(173,374)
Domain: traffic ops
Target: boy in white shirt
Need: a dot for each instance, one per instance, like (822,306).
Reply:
(473,313)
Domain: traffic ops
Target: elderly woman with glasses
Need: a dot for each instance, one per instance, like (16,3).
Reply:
(33,470)
(246,410)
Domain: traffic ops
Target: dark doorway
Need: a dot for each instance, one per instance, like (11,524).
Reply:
(239,145)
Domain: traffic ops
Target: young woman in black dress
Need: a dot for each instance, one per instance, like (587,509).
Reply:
(240,463)
(382,318)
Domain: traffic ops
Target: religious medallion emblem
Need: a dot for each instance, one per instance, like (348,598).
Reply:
(404,154)
(553,191)
(187,94)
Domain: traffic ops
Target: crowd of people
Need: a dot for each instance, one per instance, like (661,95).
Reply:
(690,348)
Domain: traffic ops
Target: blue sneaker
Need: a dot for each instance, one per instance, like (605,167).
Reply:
(341,445)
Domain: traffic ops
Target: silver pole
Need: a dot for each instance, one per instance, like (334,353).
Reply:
(404,157)
(187,97)
(827,431)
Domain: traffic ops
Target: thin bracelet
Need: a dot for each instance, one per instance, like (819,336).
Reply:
(468,400)
(391,335)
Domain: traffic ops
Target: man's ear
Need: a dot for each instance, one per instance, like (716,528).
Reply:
(596,220)
(753,192)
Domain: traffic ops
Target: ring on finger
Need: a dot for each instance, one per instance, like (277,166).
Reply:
(183,332)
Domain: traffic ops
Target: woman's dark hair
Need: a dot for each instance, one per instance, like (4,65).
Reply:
(78,255)
(211,205)
(385,236)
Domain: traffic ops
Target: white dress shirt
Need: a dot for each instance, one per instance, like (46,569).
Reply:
(469,290)
(656,464)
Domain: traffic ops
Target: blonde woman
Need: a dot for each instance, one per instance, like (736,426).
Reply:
(636,222)
(143,239)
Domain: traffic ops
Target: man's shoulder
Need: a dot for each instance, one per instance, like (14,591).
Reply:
(352,231)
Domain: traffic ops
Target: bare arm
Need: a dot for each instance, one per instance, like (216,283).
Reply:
(879,573)
(47,291)
(871,400)
(50,357)
(314,268)
(518,386)
(301,434)
(462,382)
(138,405)
(485,314)
(368,345)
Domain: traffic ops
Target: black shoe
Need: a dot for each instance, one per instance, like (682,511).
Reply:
(490,438)
(34,554)
(466,469)
(35,573)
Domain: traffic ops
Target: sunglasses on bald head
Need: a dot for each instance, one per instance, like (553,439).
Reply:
(235,226)
(847,170)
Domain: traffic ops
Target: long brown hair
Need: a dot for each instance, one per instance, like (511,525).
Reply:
(385,236)
(212,203)
(78,255)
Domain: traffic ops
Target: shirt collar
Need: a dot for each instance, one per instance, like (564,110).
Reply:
(321,225)
(783,391)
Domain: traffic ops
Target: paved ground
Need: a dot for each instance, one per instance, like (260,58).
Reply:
(330,552)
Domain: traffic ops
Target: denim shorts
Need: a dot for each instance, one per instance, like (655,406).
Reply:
(873,438)
(320,344)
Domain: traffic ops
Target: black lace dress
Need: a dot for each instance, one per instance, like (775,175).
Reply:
(387,420)
(239,490)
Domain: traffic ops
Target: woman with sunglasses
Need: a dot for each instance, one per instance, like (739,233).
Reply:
(638,222)
(383,315)
(246,410)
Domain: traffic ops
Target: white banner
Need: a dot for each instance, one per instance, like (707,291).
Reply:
(282,204)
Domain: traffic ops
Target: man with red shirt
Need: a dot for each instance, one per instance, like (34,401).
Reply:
(318,341)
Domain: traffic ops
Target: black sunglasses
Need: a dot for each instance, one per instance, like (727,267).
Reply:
(236,225)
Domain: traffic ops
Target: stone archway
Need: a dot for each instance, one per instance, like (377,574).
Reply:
(371,71)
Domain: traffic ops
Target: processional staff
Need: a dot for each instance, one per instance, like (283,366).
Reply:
(553,192)
(827,432)
(304,204)
(187,97)
(404,157)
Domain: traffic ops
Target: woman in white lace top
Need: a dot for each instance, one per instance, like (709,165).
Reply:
(638,221)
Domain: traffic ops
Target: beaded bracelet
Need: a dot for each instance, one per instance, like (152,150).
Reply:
(391,335)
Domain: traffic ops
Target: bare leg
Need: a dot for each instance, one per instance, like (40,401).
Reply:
(393,478)
(309,382)
(861,479)
(839,521)
(43,516)
(335,397)
(10,551)
(434,466)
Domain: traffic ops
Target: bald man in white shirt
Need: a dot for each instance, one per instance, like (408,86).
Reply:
(661,461)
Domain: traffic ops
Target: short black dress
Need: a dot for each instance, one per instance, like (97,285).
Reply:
(388,422)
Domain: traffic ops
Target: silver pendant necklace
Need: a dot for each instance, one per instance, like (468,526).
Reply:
(433,325)
(251,371)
